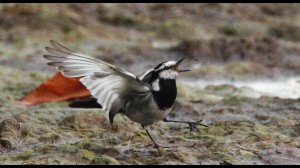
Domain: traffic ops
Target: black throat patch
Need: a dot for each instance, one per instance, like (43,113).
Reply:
(166,96)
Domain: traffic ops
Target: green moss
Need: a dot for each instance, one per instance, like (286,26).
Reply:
(86,154)
(235,100)
(69,148)
(25,155)
(45,149)
(216,131)
(106,160)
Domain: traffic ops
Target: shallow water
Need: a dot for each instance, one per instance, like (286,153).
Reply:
(283,88)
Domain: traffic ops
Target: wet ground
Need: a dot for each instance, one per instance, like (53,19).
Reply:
(244,83)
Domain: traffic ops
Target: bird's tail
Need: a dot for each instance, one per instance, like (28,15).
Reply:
(85,103)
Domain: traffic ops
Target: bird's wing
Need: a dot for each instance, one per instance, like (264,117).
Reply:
(145,77)
(106,82)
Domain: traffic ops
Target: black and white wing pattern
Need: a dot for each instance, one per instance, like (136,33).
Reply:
(106,82)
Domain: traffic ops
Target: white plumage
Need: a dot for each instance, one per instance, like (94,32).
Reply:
(106,82)
(145,99)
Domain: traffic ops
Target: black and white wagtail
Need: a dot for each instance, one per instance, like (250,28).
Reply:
(144,99)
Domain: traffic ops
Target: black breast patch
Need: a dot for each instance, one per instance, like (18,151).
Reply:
(166,96)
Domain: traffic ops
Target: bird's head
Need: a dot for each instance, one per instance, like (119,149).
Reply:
(169,69)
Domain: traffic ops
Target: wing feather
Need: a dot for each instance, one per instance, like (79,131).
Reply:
(106,82)
(60,47)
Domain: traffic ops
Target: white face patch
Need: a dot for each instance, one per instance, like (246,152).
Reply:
(155,85)
(168,74)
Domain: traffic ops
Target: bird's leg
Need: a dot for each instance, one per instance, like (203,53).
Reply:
(155,144)
(192,125)
(112,113)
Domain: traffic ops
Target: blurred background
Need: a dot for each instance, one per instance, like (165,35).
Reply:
(221,41)
(245,60)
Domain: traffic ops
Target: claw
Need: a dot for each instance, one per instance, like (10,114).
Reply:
(193,125)
(158,146)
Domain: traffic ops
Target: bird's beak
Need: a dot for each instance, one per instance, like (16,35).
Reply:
(176,67)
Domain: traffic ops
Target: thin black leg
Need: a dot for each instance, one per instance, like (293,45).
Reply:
(155,144)
(191,124)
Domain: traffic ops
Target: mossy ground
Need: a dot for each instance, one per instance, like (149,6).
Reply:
(228,41)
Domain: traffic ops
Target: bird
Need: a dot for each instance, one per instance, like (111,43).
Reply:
(144,99)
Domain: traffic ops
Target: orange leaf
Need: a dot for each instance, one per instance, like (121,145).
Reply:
(57,88)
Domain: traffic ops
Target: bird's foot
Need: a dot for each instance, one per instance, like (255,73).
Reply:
(193,125)
(160,147)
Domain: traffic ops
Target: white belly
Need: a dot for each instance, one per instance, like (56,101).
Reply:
(145,111)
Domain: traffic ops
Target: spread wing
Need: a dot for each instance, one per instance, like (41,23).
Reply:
(106,82)
(145,77)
